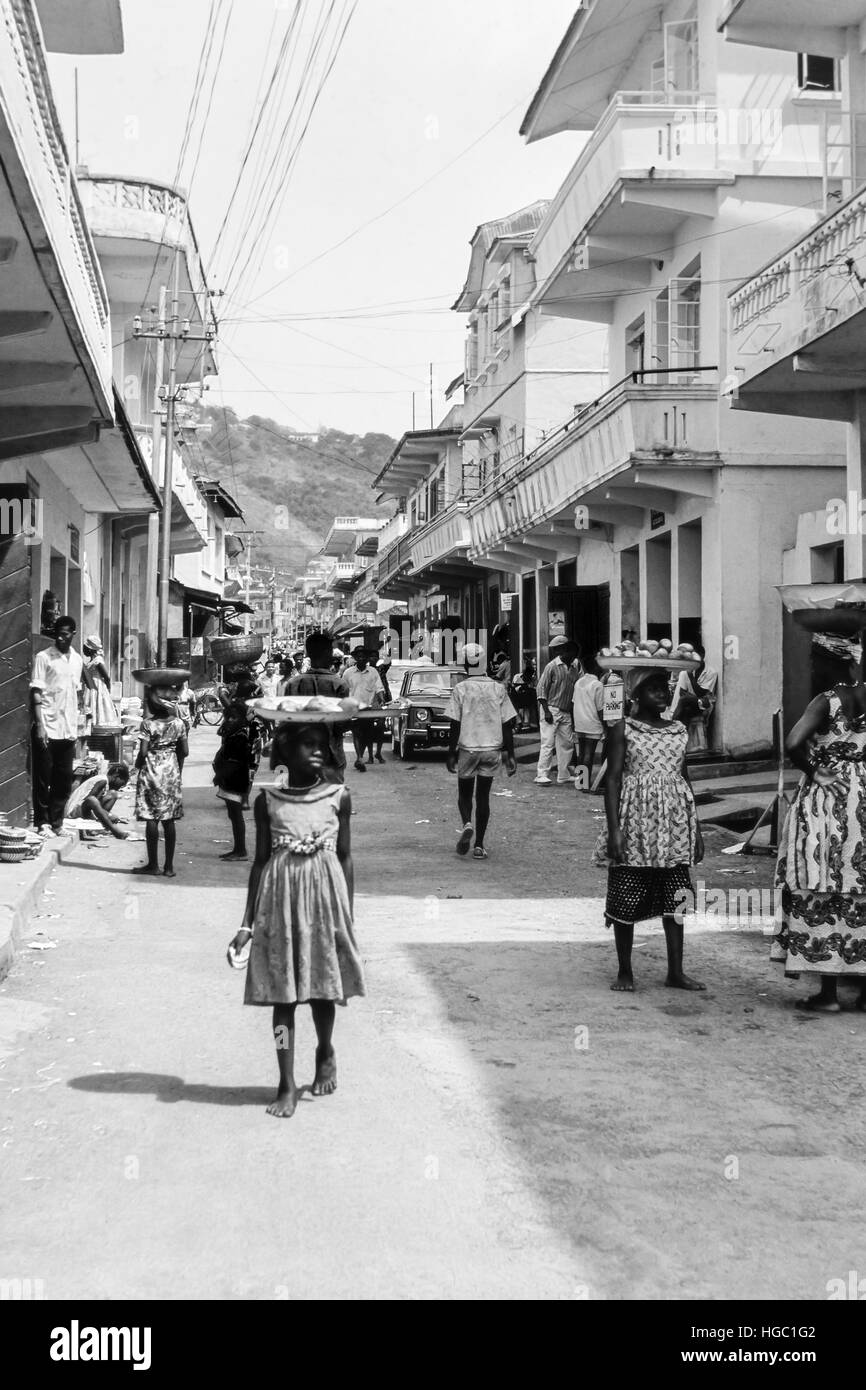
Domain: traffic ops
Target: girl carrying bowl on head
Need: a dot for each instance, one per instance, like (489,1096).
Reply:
(653,837)
(297,926)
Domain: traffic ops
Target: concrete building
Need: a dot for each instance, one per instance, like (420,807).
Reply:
(798,322)
(74,480)
(654,508)
(140,227)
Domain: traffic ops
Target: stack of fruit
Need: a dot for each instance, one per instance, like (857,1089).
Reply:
(628,656)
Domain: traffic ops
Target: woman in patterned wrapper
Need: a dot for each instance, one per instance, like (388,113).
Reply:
(821,869)
(653,836)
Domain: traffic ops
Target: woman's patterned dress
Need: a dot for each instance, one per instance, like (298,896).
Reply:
(821,869)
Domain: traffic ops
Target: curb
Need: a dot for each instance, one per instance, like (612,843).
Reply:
(19,896)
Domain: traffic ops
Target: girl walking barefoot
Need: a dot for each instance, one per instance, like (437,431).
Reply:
(299,906)
(653,835)
(158,797)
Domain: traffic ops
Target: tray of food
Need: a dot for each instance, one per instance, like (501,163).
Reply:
(632,656)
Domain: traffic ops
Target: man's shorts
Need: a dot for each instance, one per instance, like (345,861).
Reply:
(478,762)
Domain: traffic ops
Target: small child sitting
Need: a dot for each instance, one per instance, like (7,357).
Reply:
(94,798)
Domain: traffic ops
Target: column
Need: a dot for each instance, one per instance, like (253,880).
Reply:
(855,544)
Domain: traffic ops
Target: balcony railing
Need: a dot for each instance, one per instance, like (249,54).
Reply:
(28,107)
(811,287)
(675,381)
(395,558)
(640,134)
(631,420)
(445,535)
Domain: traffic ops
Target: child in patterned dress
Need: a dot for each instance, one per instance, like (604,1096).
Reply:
(158,796)
(299,906)
(653,835)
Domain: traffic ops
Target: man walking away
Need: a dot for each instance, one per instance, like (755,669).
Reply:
(54,694)
(555,692)
(481,729)
(365,686)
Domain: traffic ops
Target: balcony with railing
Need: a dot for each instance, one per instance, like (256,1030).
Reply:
(53,293)
(642,145)
(639,421)
(446,537)
(797,328)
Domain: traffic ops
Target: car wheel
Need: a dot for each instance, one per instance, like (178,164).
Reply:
(405,749)
(395,741)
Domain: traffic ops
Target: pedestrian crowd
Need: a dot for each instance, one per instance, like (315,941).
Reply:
(297,941)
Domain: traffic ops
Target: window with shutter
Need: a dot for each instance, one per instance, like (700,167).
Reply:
(659,359)
(685,323)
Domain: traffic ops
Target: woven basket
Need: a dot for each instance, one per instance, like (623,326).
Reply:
(228,651)
(12,834)
(17,853)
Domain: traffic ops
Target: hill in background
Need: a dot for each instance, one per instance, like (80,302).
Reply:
(260,463)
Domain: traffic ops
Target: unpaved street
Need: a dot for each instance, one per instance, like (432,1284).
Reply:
(504,1127)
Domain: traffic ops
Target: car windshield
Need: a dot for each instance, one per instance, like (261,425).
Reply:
(432,682)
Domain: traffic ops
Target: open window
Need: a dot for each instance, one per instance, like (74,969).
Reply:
(676,327)
(635,345)
(816,73)
(681,67)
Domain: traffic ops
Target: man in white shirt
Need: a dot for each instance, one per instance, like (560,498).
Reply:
(365,686)
(55,686)
(270,680)
(554,692)
(482,728)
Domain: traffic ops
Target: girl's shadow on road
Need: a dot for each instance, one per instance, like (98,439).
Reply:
(173,1088)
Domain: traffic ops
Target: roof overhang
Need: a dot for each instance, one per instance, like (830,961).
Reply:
(595,51)
(411,460)
(794,26)
(215,492)
(85,26)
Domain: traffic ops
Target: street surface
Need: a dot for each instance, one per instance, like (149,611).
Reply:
(505,1127)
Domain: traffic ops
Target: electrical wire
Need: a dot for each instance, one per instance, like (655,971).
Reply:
(279,75)
(279,182)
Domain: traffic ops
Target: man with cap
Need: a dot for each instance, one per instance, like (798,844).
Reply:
(365,686)
(481,729)
(555,692)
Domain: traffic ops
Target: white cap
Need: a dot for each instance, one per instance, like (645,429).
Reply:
(472,654)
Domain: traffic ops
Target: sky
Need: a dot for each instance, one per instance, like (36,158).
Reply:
(421,92)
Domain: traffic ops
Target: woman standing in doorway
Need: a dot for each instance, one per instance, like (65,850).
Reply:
(821,869)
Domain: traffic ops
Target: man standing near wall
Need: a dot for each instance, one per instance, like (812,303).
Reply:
(554,693)
(54,692)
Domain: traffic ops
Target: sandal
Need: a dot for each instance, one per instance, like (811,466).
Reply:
(480,852)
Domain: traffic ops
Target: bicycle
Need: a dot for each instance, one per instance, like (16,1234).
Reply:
(207,709)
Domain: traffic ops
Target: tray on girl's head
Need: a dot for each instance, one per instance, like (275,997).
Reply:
(312,709)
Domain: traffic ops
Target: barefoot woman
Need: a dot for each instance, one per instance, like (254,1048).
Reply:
(653,835)
(821,869)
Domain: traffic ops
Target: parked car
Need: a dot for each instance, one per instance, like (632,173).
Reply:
(417,714)
(395,674)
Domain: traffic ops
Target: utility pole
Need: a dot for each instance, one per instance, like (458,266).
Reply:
(165,538)
(175,333)
(154,520)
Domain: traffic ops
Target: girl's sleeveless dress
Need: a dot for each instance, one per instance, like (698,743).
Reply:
(158,794)
(303,944)
(821,869)
(658,820)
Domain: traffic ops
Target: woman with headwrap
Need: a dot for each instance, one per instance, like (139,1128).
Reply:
(103,712)
(653,837)
(821,869)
